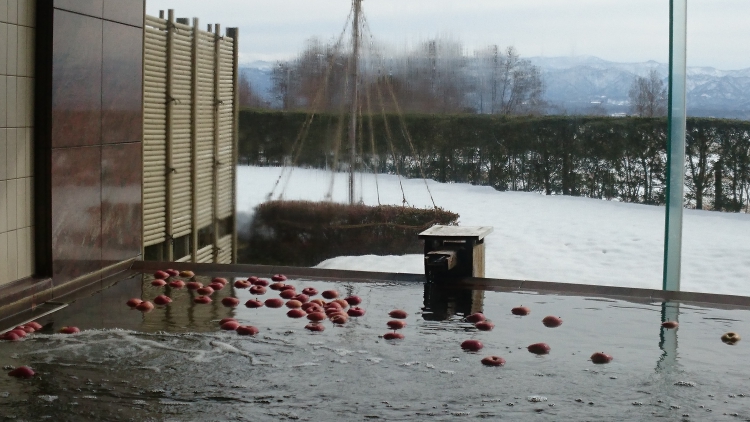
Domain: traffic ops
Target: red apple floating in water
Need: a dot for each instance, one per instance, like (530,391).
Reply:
(226,320)
(296,313)
(254,303)
(320,302)
(260,282)
(202,300)
(193,285)
(539,348)
(247,330)
(493,361)
(302,298)
(220,280)
(308,305)
(287,294)
(145,306)
(230,325)
(332,305)
(162,300)
(242,284)
(134,302)
(330,294)
(161,274)
(22,372)
(274,303)
(353,300)
(75,330)
(484,325)
(730,338)
(670,325)
(25,328)
(187,274)
(230,302)
(158,282)
(205,291)
(177,284)
(344,304)
(310,291)
(216,286)
(294,304)
(552,321)
(472,345)
(37,326)
(396,324)
(276,286)
(313,308)
(316,316)
(10,336)
(172,273)
(278,277)
(393,336)
(398,314)
(258,290)
(520,310)
(340,319)
(19,333)
(355,311)
(474,318)
(315,327)
(287,287)
(253,279)
(601,358)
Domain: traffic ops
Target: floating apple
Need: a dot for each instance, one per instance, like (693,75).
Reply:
(539,348)
(260,282)
(340,319)
(493,361)
(484,325)
(396,324)
(310,291)
(230,325)
(10,336)
(332,305)
(320,302)
(247,330)
(288,287)
(474,318)
(22,372)
(330,294)
(344,304)
(313,326)
(216,286)
(308,305)
(302,298)
(552,321)
(27,329)
(177,284)
(242,284)
(313,308)
(393,336)
(296,313)
(355,311)
(278,277)
(205,291)
(258,290)
(202,300)
(287,294)
(398,314)
(226,320)
(19,333)
(294,304)
(161,274)
(172,273)
(472,345)
(187,274)
(37,326)
(276,286)
(253,279)
(230,302)
(316,316)
(520,310)
(75,330)
(220,280)
(162,300)
(274,303)
(353,300)
(670,325)
(254,303)
(601,358)
(158,282)
(193,285)
(145,306)
(730,338)
(133,302)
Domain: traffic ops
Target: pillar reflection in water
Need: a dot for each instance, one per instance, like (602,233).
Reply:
(441,301)
(670,311)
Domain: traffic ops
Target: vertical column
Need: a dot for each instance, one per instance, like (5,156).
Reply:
(194,142)
(234,33)
(675,143)
(217,102)
(169,135)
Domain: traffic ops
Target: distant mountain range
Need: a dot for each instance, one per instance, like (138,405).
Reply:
(587,84)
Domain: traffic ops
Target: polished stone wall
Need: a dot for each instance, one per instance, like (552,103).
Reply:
(95,135)
(17,33)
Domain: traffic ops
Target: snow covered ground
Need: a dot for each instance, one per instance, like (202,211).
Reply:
(546,238)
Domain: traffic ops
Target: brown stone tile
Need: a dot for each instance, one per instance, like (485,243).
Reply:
(86,7)
(76,80)
(76,212)
(121,202)
(122,84)
(124,11)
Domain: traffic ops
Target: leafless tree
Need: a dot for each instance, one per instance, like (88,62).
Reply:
(248,97)
(648,96)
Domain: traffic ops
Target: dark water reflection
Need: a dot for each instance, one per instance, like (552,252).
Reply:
(174,364)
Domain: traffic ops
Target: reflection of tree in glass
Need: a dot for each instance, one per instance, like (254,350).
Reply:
(648,96)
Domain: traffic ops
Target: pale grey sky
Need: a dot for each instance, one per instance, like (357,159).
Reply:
(617,30)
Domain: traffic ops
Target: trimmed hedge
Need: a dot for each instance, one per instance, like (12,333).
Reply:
(304,233)
(600,157)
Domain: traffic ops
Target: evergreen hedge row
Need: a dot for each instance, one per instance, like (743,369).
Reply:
(600,157)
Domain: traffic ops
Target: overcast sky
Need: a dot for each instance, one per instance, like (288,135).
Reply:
(616,30)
